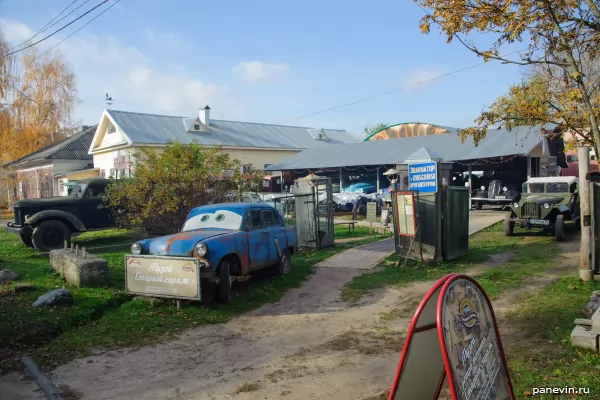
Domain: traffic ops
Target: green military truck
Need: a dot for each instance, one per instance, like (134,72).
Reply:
(546,203)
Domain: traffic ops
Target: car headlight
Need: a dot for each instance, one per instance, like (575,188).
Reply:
(505,189)
(483,188)
(136,249)
(516,205)
(546,205)
(26,217)
(200,249)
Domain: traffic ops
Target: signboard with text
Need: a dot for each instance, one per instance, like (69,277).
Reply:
(161,276)
(406,221)
(453,334)
(372,212)
(422,177)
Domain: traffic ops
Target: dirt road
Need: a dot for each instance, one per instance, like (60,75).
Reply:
(310,345)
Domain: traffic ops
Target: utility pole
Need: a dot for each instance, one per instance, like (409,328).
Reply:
(586,272)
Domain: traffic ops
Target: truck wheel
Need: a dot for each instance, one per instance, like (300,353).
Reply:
(27,241)
(50,235)
(284,265)
(225,281)
(509,226)
(478,205)
(559,228)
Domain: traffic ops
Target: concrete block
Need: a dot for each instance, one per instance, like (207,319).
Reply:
(582,336)
(596,321)
(91,271)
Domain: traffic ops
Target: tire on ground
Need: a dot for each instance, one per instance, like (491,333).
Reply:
(509,226)
(559,228)
(50,235)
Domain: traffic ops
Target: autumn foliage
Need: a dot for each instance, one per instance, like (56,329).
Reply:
(165,186)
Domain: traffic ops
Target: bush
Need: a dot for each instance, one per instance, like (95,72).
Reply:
(165,186)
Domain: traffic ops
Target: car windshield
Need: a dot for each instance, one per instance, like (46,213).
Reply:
(79,189)
(536,188)
(218,219)
(252,198)
(557,187)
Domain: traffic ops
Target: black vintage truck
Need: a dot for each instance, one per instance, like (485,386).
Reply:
(46,223)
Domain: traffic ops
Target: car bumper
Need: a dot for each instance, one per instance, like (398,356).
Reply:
(488,200)
(531,223)
(18,229)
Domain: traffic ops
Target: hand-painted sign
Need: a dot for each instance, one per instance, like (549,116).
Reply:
(457,314)
(422,177)
(372,212)
(406,222)
(160,276)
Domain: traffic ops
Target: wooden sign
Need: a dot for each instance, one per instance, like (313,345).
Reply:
(372,212)
(453,333)
(406,221)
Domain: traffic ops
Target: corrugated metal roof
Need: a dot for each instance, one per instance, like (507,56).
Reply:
(161,129)
(74,147)
(498,143)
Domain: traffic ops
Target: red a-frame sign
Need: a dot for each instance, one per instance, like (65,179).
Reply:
(453,333)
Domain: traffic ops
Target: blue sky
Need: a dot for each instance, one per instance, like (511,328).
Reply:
(267,61)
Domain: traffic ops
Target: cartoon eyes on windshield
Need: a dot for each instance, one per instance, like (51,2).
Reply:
(220,217)
(204,218)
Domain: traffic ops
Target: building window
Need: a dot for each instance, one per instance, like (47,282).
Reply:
(112,173)
(196,127)
(111,128)
(103,173)
(246,168)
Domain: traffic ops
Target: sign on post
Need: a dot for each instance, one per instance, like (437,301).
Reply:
(161,276)
(406,221)
(422,177)
(372,212)
(453,334)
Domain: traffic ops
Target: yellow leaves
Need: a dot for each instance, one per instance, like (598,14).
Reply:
(425,27)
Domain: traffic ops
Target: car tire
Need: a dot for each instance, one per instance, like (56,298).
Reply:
(284,265)
(50,235)
(559,228)
(27,241)
(478,205)
(225,282)
(509,226)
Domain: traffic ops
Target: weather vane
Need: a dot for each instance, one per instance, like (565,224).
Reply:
(109,100)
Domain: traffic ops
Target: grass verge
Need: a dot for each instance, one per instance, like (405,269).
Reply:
(539,353)
(107,317)
(529,255)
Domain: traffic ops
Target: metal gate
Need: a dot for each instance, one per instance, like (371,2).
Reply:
(455,222)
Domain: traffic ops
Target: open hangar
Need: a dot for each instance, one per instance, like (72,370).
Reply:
(506,155)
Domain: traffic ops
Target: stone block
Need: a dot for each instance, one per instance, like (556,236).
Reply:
(91,271)
(583,336)
(57,297)
(23,287)
(596,321)
(6,275)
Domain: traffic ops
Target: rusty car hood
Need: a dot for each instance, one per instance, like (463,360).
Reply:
(180,244)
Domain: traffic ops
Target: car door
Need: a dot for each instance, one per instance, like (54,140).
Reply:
(94,213)
(276,230)
(258,239)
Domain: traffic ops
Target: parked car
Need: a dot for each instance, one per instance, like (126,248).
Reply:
(495,194)
(229,239)
(46,223)
(545,203)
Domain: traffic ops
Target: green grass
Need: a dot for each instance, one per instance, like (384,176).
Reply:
(542,355)
(107,317)
(532,254)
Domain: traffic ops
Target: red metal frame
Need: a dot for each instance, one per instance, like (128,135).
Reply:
(414,213)
(440,327)
(413,329)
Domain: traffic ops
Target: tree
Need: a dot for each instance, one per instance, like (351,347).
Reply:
(370,130)
(563,39)
(164,187)
(38,93)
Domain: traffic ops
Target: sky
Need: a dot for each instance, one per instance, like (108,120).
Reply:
(266,61)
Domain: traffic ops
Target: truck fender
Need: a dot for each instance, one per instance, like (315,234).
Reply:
(507,208)
(56,214)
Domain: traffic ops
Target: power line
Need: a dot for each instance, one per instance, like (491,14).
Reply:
(393,91)
(83,26)
(47,26)
(56,31)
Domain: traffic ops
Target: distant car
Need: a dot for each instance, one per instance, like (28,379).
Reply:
(46,223)
(496,193)
(365,188)
(546,203)
(229,239)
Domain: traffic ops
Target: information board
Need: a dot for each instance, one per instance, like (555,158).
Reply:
(161,276)
(372,212)
(422,177)
(453,334)
(406,222)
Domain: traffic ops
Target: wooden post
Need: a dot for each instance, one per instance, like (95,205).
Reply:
(470,186)
(178,305)
(65,245)
(76,250)
(83,252)
(72,246)
(586,272)
(151,301)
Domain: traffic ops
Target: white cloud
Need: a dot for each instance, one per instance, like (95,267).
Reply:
(103,64)
(258,71)
(418,78)
(163,39)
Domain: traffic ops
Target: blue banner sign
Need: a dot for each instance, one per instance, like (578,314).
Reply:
(422,177)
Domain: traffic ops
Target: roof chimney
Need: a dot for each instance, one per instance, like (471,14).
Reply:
(205,115)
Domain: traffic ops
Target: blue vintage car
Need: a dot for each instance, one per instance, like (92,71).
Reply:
(230,239)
